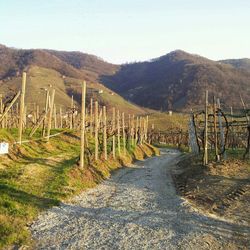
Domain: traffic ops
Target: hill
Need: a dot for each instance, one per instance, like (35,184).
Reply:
(178,81)
(174,81)
(65,71)
(238,63)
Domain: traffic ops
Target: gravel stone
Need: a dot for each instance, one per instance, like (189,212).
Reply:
(137,208)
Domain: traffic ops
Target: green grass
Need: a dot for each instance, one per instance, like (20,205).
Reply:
(165,122)
(31,183)
(38,175)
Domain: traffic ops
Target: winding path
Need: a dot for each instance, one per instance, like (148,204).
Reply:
(137,208)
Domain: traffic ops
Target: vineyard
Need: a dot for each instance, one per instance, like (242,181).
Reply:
(215,131)
(41,145)
(51,152)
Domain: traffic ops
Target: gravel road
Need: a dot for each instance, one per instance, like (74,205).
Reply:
(137,208)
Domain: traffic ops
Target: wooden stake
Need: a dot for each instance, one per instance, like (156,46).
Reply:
(46,111)
(96,131)
(205,156)
(71,114)
(123,133)
(133,130)
(50,114)
(118,133)
(233,137)
(83,124)
(222,137)
(217,156)
(105,133)
(61,118)
(136,130)
(91,117)
(113,130)
(21,115)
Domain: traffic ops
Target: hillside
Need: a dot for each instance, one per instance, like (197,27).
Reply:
(178,81)
(64,71)
(174,81)
(39,79)
(239,63)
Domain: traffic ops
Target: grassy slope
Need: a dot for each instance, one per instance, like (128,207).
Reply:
(165,122)
(39,78)
(38,175)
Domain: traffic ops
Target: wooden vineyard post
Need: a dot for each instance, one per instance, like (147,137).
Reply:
(143,130)
(113,130)
(83,124)
(91,117)
(21,115)
(129,131)
(50,114)
(61,118)
(205,156)
(233,138)
(46,110)
(105,133)
(146,129)
(72,113)
(118,133)
(215,130)
(136,130)
(140,131)
(123,133)
(96,131)
(133,131)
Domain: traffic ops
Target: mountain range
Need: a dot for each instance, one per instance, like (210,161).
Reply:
(175,81)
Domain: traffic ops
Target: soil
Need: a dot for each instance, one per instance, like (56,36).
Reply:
(219,189)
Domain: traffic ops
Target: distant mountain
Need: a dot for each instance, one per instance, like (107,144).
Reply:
(178,80)
(238,63)
(72,64)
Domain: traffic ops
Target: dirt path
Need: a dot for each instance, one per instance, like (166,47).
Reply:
(137,208)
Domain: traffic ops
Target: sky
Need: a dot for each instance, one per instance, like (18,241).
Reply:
(121,31)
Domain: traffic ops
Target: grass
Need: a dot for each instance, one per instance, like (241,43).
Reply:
(38,175)
(166,122)
(39,78)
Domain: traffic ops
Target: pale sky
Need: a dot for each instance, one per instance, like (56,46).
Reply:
(122,31)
